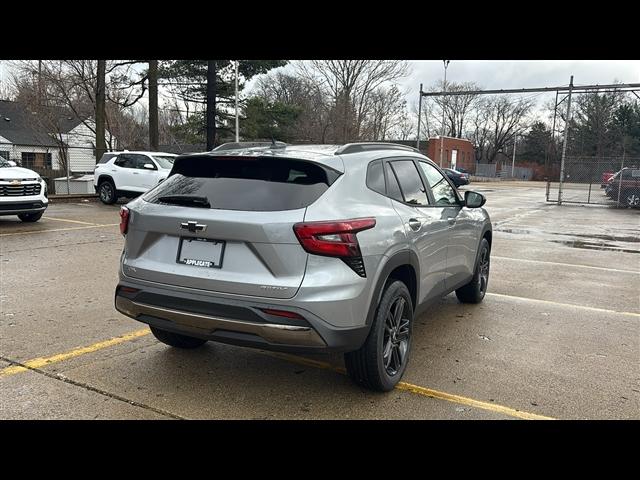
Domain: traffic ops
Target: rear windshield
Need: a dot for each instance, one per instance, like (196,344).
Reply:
(245,183)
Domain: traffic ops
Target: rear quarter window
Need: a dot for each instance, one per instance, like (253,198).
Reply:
(246,183)
(375,177)
(106,157)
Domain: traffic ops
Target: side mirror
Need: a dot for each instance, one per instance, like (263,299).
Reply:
(12,163)
(474,199)
(149,166)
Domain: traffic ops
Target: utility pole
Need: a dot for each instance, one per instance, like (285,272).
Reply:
(446,64)
(211,104)
(237,123)
(39,82)
(153,106)
(101,145)
(419,118)
(564,141)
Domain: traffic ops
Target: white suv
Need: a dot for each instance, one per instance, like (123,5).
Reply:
(22,192)
(128,174)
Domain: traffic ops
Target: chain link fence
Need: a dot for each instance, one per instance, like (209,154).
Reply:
(52,162)
(613,181)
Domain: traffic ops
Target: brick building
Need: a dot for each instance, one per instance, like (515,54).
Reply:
(458,152)
(458,149)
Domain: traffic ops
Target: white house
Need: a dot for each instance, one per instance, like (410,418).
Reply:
(29,141)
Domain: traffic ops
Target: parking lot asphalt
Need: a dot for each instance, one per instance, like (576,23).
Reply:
(557,336)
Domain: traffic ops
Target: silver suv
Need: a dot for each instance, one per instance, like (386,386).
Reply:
(308,248)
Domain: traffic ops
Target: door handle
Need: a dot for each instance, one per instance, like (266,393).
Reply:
(451,220)
(414,224)
(136,173)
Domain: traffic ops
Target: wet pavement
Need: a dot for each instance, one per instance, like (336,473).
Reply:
(557,336)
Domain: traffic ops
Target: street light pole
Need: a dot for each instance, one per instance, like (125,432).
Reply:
(419,119)
(446,64)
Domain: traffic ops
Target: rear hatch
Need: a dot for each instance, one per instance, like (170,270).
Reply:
(225,224)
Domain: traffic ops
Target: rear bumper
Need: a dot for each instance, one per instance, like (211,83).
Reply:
(237,322)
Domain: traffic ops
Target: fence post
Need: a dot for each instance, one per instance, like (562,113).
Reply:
(564,142)
(621,174)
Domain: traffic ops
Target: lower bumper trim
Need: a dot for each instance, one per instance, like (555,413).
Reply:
(273,333)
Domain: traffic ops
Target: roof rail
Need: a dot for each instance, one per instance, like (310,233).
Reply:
(369,146)
(238,145)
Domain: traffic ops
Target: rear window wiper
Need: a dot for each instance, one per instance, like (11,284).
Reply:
(187,200)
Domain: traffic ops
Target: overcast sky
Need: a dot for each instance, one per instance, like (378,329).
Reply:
(491,74)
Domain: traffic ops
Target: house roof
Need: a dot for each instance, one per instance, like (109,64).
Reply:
(21,126)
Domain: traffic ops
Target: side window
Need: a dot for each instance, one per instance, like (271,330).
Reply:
(443,193)
(139,161)
(375,177)
(393,189)
(410,182)
(124,161)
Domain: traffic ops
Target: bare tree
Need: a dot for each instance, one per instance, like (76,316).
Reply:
(406,126)
(457,108)
(350,85)
(495,123)
(73,84)
(385,108)
(314,121)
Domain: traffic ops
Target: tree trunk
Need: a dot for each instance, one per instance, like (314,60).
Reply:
(100,112)
(153,106)
(211,104)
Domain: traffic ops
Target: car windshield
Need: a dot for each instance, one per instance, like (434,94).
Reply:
(4,163)
(165,161)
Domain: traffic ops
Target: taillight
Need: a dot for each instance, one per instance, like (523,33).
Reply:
(335,239)
(124,220)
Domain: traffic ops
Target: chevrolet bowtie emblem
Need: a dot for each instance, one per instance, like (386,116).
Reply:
(15,182)
(193,226)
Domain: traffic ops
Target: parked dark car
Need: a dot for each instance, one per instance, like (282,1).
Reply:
(457,177)
(626,182)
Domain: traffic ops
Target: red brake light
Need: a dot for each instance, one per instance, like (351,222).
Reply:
(332,239)
(124,220)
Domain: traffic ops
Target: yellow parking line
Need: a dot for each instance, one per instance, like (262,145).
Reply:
(70,221)
(403,386)
(426,392)
(41,362)
(449,397)
(58,230)
(558,304)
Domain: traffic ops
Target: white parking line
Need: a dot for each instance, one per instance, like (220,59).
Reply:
(566,305)
(633,272)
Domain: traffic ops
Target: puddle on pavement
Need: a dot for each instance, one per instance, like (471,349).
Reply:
(593,246)
(610,238)
(595,236)
(513,230)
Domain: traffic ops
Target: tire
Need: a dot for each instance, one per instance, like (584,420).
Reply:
(630,198)
(177,340)
(474,291)
(107,192)
(30,217)
(369,366)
